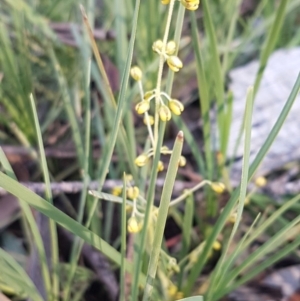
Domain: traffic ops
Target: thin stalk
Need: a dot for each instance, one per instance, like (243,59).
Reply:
(54,292)
(86,178)
(159,73)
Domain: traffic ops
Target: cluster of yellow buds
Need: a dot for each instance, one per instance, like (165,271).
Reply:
(172,291)
(173,61)
(144,106)
(133,225)
(172,266)
(141,160)
(174,105)
(188,4)
(132,192)
(117,190)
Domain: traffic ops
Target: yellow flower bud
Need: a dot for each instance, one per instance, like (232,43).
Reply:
(261,182)
(172,290)
(182,161)
(174,63)
(232,218)
(157,46)
(247,201)
(218,187)
(173,266)
(128,208)
(171,48)
(117,190)
(175,106)
(136,73)
(190,4)
(133,192)
(160,166)
(141,160)
(148,94)
(165,1)
(164,113)
(150,119)
(217,245)
(133,226)
(220,158)
(179,295)
(142,107)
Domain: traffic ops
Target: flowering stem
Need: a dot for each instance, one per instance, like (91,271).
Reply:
(189,191)
(146,115)
(160,70)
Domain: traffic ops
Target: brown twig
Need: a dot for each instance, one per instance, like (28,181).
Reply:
(76,186)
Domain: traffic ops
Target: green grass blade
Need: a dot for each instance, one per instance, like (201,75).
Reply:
(77,136)
(204,99)
(270,246)
(267,223)
(195,298)
(29,218)
(225,213)
(261,267)
(216,70)
(219,270)
(270,42)
(150,200)
(162,215)
(14,276)
(77,246)
(52,225)
(186,232)
(61,218)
